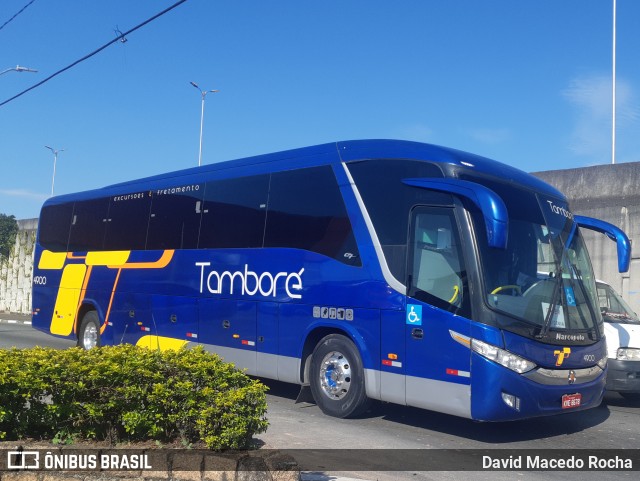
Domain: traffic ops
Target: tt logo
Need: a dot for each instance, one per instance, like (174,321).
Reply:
(562,355)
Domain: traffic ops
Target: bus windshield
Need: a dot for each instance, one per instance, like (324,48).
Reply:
(544,276)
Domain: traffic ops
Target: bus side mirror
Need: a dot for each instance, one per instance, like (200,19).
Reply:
(494,211)
(612,232)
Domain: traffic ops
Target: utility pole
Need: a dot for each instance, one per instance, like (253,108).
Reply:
(204,94)
(613,90)
(55,161)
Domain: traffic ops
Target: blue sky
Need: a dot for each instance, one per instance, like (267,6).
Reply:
(525,82)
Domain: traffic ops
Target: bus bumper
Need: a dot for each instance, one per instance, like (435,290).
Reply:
(500,394)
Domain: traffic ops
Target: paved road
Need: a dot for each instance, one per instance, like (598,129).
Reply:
(16,331)
(613,425)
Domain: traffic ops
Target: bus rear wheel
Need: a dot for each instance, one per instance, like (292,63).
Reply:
(89,332)
(337,377)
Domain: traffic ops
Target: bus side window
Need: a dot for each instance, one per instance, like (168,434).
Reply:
(306,211)
(127,222)
(55,222)
(88,225)
(175,219)
(233,213)
(437,267)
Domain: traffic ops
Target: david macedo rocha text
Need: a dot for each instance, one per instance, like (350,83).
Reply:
(535,462)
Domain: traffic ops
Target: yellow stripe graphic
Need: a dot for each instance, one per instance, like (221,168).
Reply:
(107,258)
(161,343)
(52,260)
(64,312)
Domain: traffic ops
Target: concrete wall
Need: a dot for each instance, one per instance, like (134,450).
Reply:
(16,271)
(611,193)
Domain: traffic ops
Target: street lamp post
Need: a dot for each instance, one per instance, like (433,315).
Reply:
(55,161)
(18,68)
(613,90)
(203,93)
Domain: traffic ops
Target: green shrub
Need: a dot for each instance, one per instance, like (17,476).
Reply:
(125,393)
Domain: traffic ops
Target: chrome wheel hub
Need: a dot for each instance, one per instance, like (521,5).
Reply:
(335,375)
(90,337)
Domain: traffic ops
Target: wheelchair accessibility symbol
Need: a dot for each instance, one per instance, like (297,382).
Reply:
(571,298)
(414,314)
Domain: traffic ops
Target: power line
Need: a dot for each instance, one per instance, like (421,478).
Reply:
(95,52)
(12,18)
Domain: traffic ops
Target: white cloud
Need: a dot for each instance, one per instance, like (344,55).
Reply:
(591,94)
(417,132)
(24,194)
(592,98)
(491,136)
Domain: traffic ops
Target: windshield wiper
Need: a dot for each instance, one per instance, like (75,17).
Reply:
(575,274)
(552,305)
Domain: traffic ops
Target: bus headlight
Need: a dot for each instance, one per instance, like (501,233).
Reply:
(502,357)
(628,354)
(602,363)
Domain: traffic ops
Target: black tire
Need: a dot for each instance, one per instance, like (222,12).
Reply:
(89,331)
(337,377)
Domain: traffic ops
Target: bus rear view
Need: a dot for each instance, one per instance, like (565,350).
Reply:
(401,272)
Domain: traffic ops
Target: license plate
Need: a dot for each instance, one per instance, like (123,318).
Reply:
(570,401)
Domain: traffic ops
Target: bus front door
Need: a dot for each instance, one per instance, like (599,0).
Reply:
(437,366)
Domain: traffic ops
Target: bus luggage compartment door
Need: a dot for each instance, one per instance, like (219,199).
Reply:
(173,323)
(228,328)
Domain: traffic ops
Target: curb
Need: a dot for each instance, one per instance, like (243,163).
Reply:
(15,318)
(15,321)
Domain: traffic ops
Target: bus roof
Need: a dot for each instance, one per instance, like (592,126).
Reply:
(453,163)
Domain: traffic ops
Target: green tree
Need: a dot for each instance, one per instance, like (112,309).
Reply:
(8,231)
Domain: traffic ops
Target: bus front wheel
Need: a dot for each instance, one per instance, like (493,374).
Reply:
(89,332)
(337,377)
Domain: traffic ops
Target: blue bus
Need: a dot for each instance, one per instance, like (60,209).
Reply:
(360,270)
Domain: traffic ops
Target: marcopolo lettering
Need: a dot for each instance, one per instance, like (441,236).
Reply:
(248,282)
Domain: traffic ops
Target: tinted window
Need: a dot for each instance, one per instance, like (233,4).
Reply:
(306,211)
(175,218)
(127,222)
(88,225)
(523,204)
(234,212)
(55,222)
(436,265)
(389,201)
